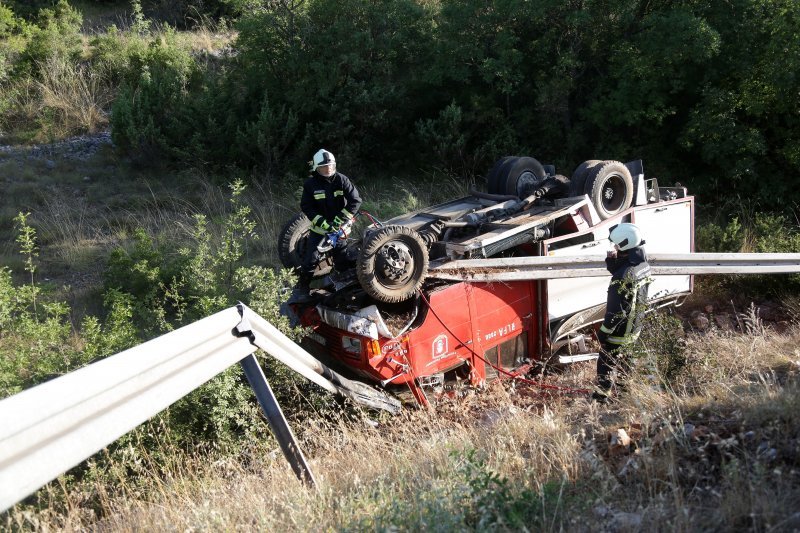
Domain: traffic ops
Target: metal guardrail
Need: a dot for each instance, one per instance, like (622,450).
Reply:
(532,268)
(52,427)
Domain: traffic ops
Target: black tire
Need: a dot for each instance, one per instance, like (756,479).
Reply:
(610,188)
(523,173)
(491,177)
(392,264)
(292,241)
(579,177)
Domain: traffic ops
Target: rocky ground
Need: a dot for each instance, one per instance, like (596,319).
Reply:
(80,148)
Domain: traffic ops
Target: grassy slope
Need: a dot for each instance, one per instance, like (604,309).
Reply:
(717,452)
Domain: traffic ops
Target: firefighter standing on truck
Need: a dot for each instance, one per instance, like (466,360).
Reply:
(330,201)
(625,307)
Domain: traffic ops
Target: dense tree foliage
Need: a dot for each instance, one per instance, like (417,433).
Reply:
(705,92)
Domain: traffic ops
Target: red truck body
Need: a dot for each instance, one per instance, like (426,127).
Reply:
(459,327)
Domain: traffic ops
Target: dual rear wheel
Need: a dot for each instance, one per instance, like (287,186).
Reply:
(608,183)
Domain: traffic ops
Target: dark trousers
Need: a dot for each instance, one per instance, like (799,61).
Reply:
(611,358)
(313,257)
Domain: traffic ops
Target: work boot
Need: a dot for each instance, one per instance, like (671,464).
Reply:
(600,396)
(602,391)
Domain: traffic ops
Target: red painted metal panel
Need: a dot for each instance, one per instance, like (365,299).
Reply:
(432,348)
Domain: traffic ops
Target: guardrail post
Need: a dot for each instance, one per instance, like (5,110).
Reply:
(280,428)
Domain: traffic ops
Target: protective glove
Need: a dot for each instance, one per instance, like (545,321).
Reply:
(322,224)
(343,224)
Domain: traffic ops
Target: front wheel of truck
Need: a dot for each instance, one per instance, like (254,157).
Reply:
(392,264)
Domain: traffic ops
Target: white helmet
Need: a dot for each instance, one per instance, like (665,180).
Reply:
(322,158)
(626,236)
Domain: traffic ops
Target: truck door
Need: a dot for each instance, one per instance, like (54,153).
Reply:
(502,324)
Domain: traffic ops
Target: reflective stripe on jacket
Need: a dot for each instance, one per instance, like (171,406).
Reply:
(627,297)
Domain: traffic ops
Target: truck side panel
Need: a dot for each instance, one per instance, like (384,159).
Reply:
(432,347)
(668,229)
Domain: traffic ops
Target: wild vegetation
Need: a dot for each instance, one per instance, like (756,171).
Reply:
(703,92)
(215,105)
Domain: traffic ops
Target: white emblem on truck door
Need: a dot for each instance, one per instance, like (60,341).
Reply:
(439,347)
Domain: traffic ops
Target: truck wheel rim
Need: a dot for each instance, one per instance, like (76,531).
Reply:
(394,263)
(527,183)
(613,193)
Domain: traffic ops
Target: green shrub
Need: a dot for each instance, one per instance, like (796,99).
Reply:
(147,116)
(469,496)
(714,238)
(37,341)
(28,9)
(57,33)
(205,275)
(761,232)
(662,346)
(14,33)
(113,52)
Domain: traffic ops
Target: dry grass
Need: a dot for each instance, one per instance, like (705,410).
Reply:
(66,99)
(76,95)
(718,452)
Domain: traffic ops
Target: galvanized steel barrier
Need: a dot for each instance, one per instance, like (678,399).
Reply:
(530,268)
(48,429)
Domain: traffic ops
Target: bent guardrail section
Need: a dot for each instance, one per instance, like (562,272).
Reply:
(54,426)
(49,428)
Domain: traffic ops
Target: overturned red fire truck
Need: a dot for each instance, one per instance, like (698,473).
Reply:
(437,296)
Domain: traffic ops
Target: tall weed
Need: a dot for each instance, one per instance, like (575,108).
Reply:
(74,96)
(37,339)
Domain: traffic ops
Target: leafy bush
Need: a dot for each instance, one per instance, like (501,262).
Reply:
(205,275)
(28,9)
(37,341)
(113,52)
(146,113)
(471,497)
(57,33)
(662,346)
(757,233)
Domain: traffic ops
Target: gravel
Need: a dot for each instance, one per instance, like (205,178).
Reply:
(79,148)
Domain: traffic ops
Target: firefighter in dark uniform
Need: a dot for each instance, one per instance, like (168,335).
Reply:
(330,201)
(625,306)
